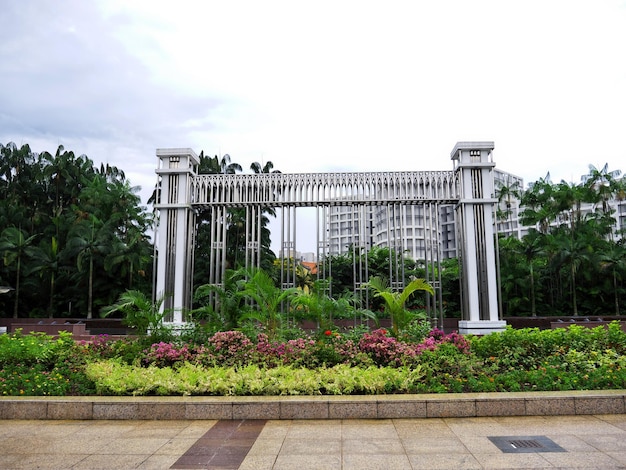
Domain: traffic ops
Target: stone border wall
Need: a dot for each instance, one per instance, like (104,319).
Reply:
(317,407)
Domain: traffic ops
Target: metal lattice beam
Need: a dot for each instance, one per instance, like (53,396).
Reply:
(313,189)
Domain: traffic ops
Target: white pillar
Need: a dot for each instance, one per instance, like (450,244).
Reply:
(175,231)
(473,164)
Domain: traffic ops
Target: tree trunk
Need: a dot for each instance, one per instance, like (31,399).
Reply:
(615,292)
(90,293)
(574,290)
(50,304)
(17,287)
(533,308)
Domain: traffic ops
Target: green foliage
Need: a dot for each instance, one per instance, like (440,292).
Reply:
(395,302)
(38,364)
(234,223)
(316,304)
(570,261)
(229,364)
(36,348)
(259,288)
(227,298)
(115,378)
(527,348)
(139,312)
(416,330)
(74,234)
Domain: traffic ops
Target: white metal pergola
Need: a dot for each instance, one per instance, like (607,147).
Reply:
(469,186)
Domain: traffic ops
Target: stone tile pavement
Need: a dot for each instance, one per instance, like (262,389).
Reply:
(588,441)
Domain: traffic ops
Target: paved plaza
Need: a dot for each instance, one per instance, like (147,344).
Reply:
(584,441)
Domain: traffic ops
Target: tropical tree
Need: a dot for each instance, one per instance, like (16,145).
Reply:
(259,287)
(49,196)
(139,311)
(47,258)
(221,303)
(613,259)
(539,208)
(572,252)
(317,305)
(304,279)
(395,301)
(507,194)
(268,167)
(531,247)
(91,238)
(14,244)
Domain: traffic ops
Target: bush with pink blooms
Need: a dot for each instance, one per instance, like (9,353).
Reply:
(329,362)
(233,348)
(166,354)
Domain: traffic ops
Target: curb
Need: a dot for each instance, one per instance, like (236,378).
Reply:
(462,405)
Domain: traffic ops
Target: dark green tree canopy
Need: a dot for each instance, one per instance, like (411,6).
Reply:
(572,260)
(73,234)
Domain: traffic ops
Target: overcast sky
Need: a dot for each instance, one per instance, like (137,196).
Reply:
(318,86)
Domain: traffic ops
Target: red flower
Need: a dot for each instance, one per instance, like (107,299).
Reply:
(383,331)
(328,332)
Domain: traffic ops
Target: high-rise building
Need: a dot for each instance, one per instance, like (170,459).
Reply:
(421,230)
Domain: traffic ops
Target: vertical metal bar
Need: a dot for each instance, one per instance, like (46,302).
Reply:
(427,253)
(295,219)
(389,243)
(247,245)
(259,235)
(282,246)
(224,243)
(402,242)
(439,293)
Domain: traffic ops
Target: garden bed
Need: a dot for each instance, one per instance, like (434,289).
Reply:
(329,363)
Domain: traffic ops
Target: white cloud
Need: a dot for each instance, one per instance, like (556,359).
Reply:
(323,86)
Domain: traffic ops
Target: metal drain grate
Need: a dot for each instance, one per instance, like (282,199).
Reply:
(525,444)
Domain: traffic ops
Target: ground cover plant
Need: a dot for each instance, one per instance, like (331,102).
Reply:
(325,363)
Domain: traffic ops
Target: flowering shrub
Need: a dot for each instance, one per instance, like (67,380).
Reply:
(166,354)
(226,348)
(340,349)
(100,345)
(386,350)
(295,351)
(327,363)
(438,337)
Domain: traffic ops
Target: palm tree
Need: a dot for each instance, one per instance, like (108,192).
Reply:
(530,247)
(602,185)
(573,252)
(304,278)
(267,168)
(614,258)
(317,304)
(507,193)
(91,238)
(15,245)
(221,302)
(20,187)
(217,166)
(47,258)
(538,204)
(395,301)
(67,173)
(267,255)
(139,311)
(259,287)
